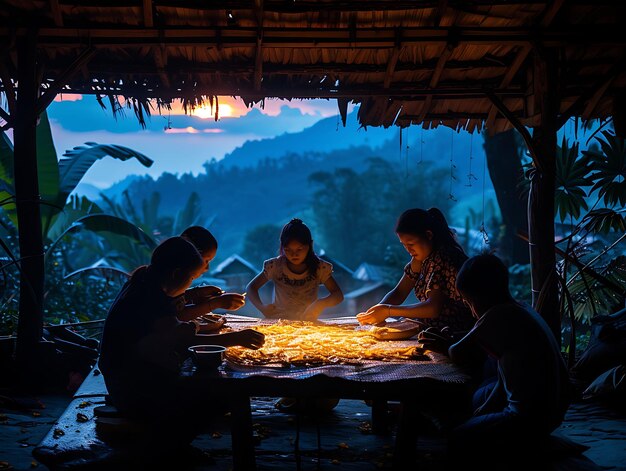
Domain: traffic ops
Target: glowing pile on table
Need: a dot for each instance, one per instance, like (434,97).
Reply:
(305,343)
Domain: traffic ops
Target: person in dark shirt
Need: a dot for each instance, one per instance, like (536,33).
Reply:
(144,343)
(532,390)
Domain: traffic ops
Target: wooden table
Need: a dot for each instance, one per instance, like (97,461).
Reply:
(411,385)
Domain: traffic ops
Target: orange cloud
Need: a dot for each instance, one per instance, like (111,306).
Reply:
(68,97)
(192,130)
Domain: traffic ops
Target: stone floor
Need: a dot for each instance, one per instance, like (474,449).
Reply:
(290,442)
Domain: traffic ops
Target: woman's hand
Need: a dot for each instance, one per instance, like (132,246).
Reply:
(313,311)
(273,311)
(229,301)
(249,338)
(374,314)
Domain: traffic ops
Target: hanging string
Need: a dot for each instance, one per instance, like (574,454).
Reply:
(169,121)
(421,145)
(406,156)
(483,231)
(470,175)
(337,128)
(452,166)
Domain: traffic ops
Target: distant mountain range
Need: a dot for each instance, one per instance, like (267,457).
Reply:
(266,181)
(326,135)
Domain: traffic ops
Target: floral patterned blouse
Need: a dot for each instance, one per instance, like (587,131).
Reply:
(439,271)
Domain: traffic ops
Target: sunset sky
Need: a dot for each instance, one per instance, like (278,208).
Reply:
(177,142)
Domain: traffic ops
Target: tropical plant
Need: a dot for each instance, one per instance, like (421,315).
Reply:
(57,180)
(592,273)
(62,213)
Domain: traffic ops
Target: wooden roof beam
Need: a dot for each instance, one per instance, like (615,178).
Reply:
(148,14)
(160,60)
(302,6)
(57,14)
(591,96)
(545,19)
(442,20)
(338,68)
(512,118)
(416,94)
(393,60)
(258,59)
(323,37)
(48,96)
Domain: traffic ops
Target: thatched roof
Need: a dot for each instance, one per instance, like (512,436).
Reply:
(424,61)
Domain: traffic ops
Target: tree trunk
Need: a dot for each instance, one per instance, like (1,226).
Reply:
(30,322)
(505,169)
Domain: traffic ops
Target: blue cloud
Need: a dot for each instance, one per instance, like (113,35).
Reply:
(86,115)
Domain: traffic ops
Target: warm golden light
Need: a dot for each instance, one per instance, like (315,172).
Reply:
(206,112)
(305,343)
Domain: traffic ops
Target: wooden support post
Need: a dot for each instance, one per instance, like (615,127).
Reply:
(30,322)
(404,455)
(241,428)
(541,195)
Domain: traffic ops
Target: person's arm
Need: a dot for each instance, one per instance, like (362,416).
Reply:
(382,310)
(463,351)
(229,301)
(399,293)
(199,294)
(253,292)
(334,297)
(430,308)
(248,338)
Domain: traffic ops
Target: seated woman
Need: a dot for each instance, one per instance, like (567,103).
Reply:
(436,257)
(532,391)
(144,344)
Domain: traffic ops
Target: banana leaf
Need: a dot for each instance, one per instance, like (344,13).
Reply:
(47,163)
(97,268)
(79,160)
(7,189)
(189,215)
(105,223)
(76,208)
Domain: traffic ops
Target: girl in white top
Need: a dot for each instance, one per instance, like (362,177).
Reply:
(297,273)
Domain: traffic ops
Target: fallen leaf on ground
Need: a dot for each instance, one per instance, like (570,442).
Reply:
(34,464)
(58,433)
(84,404)
(343,446)
(82,418)
(216,435)
(5,465)
(365,427)
(36,414)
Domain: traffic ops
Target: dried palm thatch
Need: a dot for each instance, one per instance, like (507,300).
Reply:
(428,62)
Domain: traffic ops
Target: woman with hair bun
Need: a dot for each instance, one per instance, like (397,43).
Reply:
(436,258)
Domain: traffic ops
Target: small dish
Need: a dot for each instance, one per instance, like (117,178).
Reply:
(207,356)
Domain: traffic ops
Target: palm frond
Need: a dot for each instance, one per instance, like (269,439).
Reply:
(78,161)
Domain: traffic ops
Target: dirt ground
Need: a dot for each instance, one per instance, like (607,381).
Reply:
(284,440)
